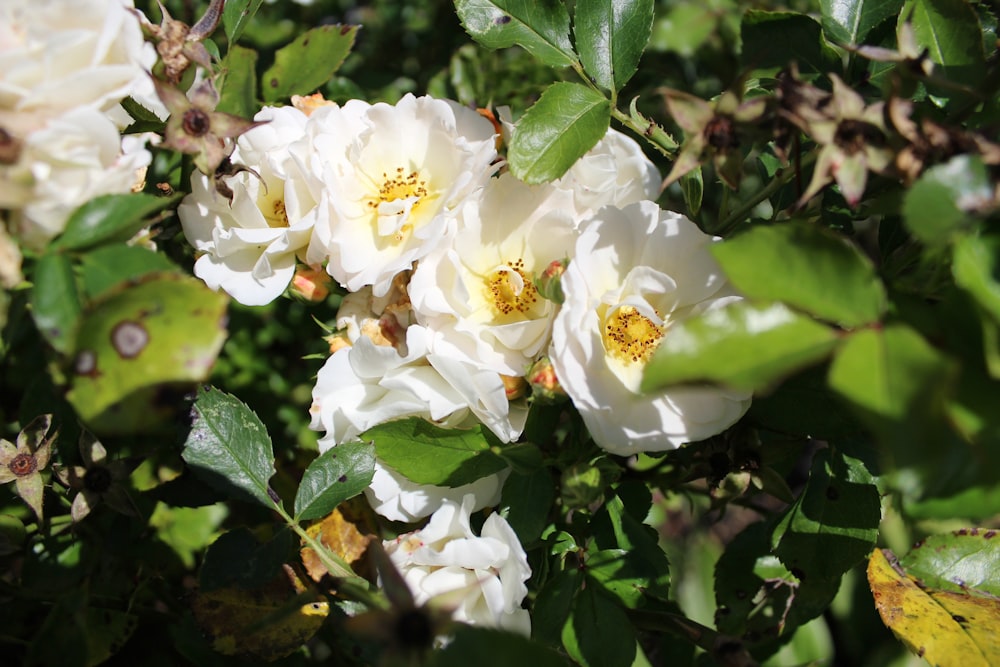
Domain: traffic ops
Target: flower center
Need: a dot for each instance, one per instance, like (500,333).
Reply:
(398,197)
(630,336)
(23,465)
(510,291)
(278,216)
(97,479)
(196,123)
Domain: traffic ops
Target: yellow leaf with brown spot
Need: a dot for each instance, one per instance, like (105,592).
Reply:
(346,532)
(267,622)
(946,628)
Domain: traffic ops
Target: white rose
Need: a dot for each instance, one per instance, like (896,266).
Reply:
(635,272)
(57,55)
(614,172)
(398,499)
(250,245)
(396,177)
(74,158)
(477,292)
(483,577)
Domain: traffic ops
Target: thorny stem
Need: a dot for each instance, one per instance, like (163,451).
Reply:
(781,178)
(653,133)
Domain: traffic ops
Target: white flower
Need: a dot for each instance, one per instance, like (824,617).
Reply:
(58,55)
(614,172)
(477,292)
(635,272)
(396,177)
(74,158)
(488,572)
(398,499)
(250,245)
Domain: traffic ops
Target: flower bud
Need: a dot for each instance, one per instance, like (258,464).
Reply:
(515,387)
(549,284)
(545,386)
(311,284)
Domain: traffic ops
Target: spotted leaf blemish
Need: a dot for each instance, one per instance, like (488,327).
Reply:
(85,363)
(129,339)
(502,20)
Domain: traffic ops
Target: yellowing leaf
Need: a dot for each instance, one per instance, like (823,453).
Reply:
(946,628)
(267,622)
(346,531)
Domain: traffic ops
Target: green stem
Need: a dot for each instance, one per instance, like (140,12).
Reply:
(781,178)
(652,132)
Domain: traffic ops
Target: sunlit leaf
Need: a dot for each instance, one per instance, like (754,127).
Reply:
(958,561)
(109,218)
(951,33)
(346,532)
(238,94)
(566,122)
(303,66)
(104,268)
(334,476)
(56,303)
(850,21)
(236,16)
(610,37)
(936,206)
(540,27)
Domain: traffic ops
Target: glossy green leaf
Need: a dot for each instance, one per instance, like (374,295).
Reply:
(554,604)
(975,267)
(55,301)
(772,40)
(428,454)
(542,28)
(236,16)
(566,122)
(806,266)
(850,21)
(951,33)
(891,377)
(110,218)
(957,561)
(617,528)
(599,633)
(936,205)
(336,475)
(238,94)
(526,501)
(140,347)
(303,66)
(229,447)
(471,645)
(742,345)
(611,36)
(834,523)
(109,266)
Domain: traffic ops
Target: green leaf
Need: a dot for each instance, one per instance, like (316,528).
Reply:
(834,523)
(109,266)
(110,218)
(428,454)
(486,646)
(336,475)
(238,94)
(975,266)
(554,604)
(599,633)
(236,16)
(951,33)
(772,40)
(741,345)
(957,561)
(139,348)
(935,207)
(236,558)
(611,36)
(526,501)
(55,301)
(566,122)
(307,63)
(804,405)
(893,378)
(850,21)
(540,27)
(229,447)
(617,529)
(806,266)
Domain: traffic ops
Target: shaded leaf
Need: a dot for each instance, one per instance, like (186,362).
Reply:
(772,40)
(975,266)
(936,206)
(806,266)
(336,475)
(526,501)
(307,63)
(741,345)
(237,559)
(427,454)
(542,28)
(55,301)
(951,33)
(599,633)
(611,37)
(238,94)
(229,447)
(566,122)
(487,646)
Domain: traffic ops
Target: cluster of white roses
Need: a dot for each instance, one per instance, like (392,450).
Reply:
(64,68)
(408,208)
